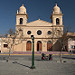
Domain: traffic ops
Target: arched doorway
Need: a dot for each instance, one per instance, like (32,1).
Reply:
(49,46)
(28,46)
(39,46)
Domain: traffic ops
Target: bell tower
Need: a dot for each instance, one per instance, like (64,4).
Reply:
(56,16)
(21,16)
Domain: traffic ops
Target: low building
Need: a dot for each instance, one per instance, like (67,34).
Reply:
(69,41)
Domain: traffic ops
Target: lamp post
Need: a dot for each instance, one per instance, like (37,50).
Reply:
(32,67)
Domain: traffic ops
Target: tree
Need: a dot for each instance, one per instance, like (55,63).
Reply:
(63,39)
(57,34)
(8,39)
(67,29)
(11,31)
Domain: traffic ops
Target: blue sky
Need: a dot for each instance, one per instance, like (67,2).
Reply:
(35,9)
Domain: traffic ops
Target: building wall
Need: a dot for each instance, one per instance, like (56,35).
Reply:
(8,42)
(71,44)
(0,44)
(22,37)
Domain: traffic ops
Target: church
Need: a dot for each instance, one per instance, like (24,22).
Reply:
(46,34)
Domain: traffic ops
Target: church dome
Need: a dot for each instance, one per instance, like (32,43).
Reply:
(56,10)
(22,10)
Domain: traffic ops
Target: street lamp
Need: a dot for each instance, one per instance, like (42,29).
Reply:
(32,67)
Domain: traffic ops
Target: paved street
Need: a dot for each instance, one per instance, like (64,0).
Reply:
(20,65)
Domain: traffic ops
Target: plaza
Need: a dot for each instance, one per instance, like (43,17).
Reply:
(30,28)
(20,65)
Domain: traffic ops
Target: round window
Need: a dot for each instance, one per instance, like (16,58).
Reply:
(49,32)
(29,32)
(39,32)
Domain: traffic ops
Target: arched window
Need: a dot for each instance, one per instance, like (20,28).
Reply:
(57,21)
(21,20)
(28,46)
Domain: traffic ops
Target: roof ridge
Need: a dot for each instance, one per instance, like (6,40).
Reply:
(38,20)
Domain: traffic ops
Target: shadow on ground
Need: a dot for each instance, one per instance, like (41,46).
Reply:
(21,64)
(68,58)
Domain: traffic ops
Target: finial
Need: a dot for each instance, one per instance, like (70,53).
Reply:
(17,11)
(55,4)
(22,4)
(39,19)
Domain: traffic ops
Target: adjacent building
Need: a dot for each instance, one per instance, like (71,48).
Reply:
(69,41)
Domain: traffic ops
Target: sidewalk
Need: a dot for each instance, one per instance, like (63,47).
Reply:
(20,65)
(38,53)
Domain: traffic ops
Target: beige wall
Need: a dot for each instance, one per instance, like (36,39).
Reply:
(18,19)
(22,45)
(7,41)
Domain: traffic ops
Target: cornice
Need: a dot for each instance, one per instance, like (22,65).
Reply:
(39,26)
(22,14)
(35,38)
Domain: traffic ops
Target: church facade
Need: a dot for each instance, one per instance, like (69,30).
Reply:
(46,34)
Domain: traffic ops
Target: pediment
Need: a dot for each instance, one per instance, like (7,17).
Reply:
(39,23)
